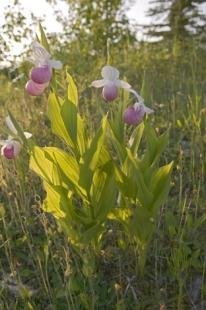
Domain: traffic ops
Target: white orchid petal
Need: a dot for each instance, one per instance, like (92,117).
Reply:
(98,83)
(110,73)
(110,83)
(139,105)
(27,135)
(39,50)
(133,92)
(139,98)
(56,64)
(136,105)
(148,110)
(124,84)
(10,125)
(40,56)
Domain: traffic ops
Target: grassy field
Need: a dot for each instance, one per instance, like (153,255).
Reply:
(39,269)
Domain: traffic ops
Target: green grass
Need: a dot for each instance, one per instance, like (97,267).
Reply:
(39,268)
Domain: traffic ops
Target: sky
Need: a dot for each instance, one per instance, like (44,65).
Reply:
(138,12)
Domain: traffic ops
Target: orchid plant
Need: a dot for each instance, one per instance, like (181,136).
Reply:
(41,74)
(11,147)
(99,176)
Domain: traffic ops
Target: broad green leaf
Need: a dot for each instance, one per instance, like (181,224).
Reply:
(81,135)
(135,138)
(104,157)
(144,194)
(126,185)
(59,205)
(85,178)
(92,233)
(67,124)
(91,157)
(155,145)
(136,176)
(57,122)
(55,201)
(43,167)
(121,214)
(68,167)
(103,192)
(75,214)
(66,162)
(42,37)
(117,125)
(117,147)
(142,225)
(97,186)
(57,167)
(69,117)
(80,216)
(72,90)
(107,200)
(160,184)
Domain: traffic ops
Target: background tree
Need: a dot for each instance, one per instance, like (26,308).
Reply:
(98,21)
(177,20)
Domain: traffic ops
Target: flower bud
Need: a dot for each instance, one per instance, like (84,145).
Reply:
(109,92)
(35,89)
(11,149)
(134,115)
(41,75)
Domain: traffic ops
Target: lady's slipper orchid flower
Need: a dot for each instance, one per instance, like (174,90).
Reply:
(42,72)
(134,115)
(41,75)
(110,83)
(11,147)
(35,89)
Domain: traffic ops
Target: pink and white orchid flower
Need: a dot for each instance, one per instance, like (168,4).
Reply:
(42,72)
(134,115)
(11,147)
(110,83)
(35,89)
